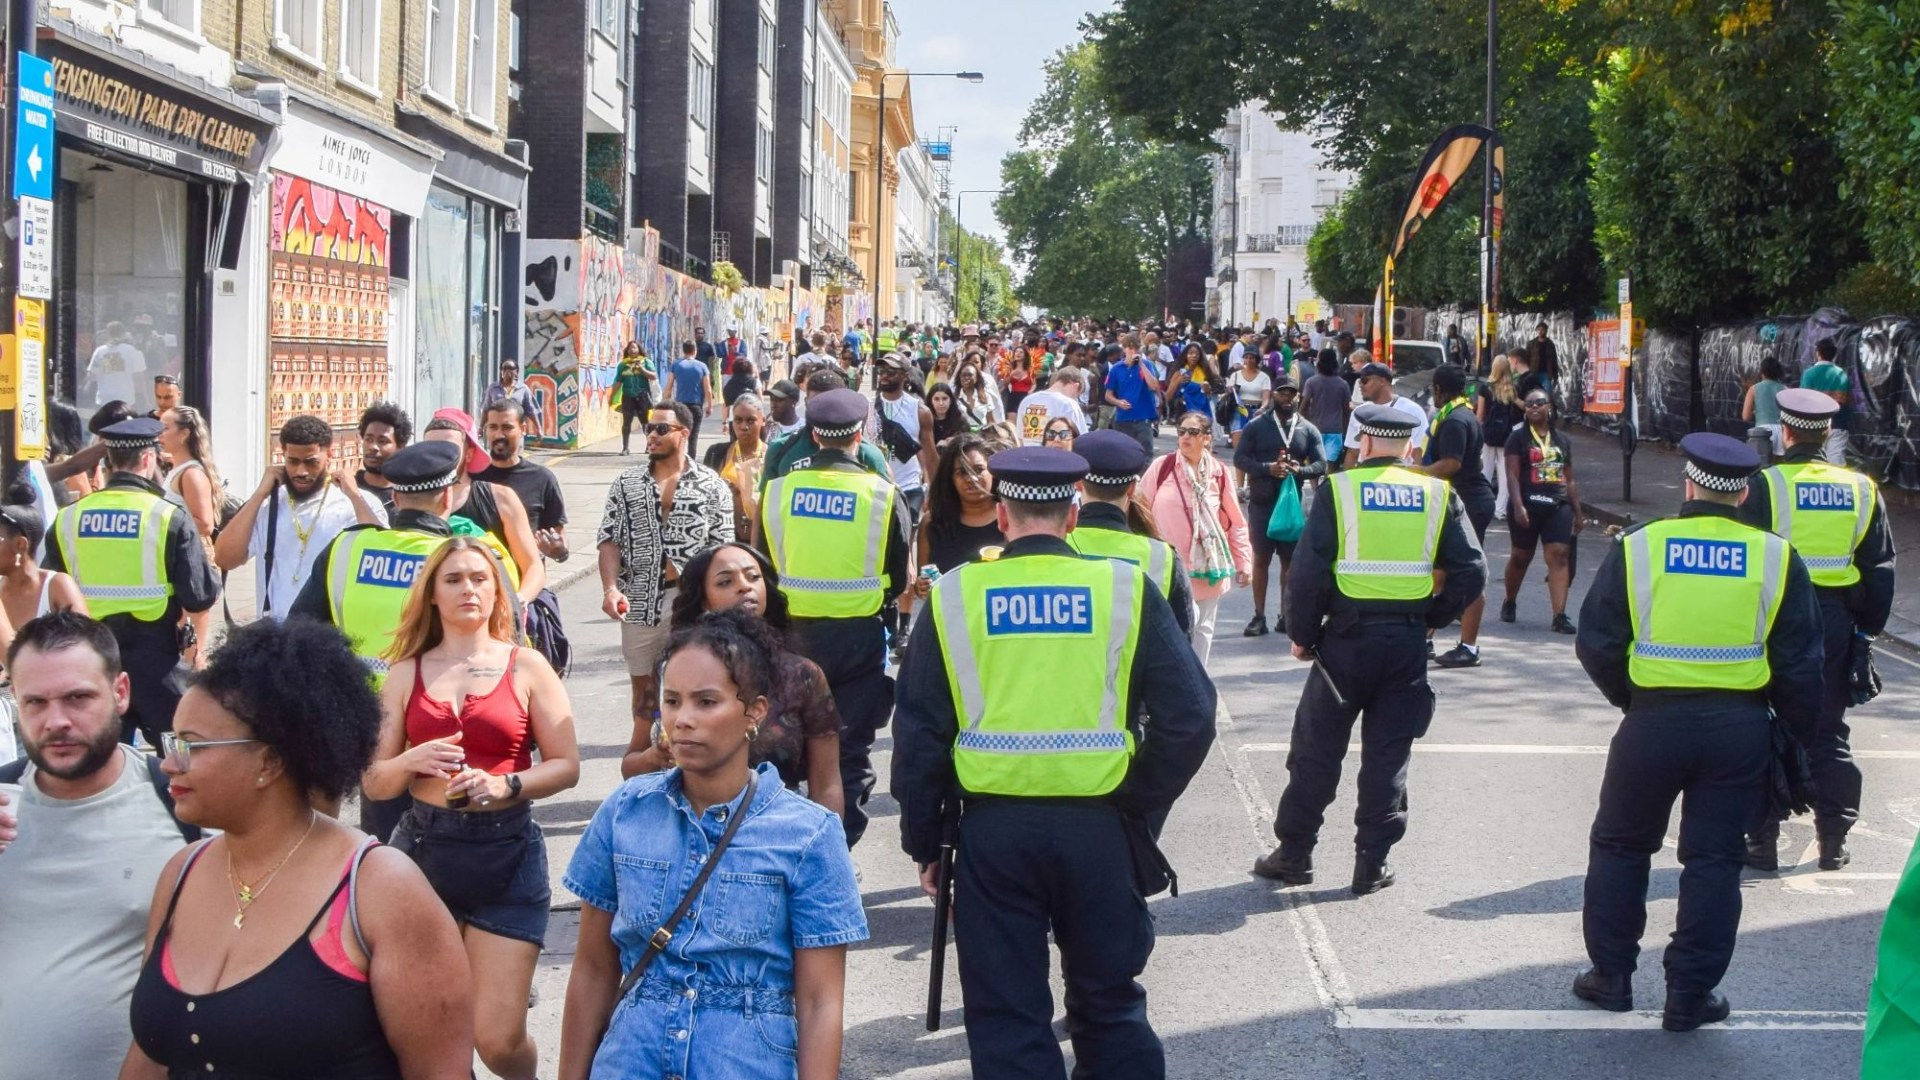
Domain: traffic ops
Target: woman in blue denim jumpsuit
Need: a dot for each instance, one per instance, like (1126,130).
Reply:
(752,983)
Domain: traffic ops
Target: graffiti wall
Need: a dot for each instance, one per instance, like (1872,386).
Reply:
(585,299)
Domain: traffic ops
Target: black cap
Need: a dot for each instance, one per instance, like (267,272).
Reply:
(428,465)
(1283,381)
(1376,368)
(1807,410)
(783,389)
(893,360)
(1719,462)
(1113,459)
(837,414)
(1384,421)
(136,433)
(1036,474)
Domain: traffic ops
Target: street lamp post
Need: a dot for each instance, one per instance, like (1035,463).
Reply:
(960,245)
(879,165)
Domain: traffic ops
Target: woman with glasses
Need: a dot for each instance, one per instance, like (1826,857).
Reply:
(464,708)
(960,520)
(290,944)
(1192,501)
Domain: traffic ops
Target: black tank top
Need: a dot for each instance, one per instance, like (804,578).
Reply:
(483,509)
(243,1032)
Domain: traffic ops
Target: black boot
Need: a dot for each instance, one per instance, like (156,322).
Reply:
(1287,866)
(1613,993)
(1688,1009)
(1833,851)
(1763,849)
(1370,874)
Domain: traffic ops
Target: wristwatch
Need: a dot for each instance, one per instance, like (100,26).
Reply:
(513,785)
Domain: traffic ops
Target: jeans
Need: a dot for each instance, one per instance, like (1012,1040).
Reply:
(1140,431)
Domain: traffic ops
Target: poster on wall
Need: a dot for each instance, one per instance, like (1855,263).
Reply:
(328,257)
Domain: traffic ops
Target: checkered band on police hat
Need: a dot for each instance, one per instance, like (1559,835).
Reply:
(1725,484)
(433,483)
(1386,431)
(1098,480)
(1805,423)
(1035,493)
(836,432)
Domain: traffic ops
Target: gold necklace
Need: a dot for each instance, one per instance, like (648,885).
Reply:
(243,894)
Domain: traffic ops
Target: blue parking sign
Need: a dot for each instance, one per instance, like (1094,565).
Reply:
(33,158)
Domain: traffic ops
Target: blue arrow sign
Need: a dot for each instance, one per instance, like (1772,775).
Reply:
(33,159)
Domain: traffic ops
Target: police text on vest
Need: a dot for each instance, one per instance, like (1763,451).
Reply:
(388,569)
(1719,558)
(110,524)
(1401,498)
(1823,496)
(1039,609)
(820,503)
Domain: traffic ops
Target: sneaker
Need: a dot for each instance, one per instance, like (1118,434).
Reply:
(1256,628)
(1279,624)
(1459,656)
(1507,612)
(1429,650)
(1562,624)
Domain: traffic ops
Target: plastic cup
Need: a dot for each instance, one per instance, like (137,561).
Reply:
(991,552)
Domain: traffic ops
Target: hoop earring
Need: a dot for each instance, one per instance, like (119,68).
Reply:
(753,733)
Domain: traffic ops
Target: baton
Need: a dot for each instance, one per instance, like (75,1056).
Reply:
(1320,666)
(942,912)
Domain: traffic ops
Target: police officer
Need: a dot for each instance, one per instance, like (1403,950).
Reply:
(140,563)
(1696,626)
(1386,555)
(1015,704)
(363,577)
(1837,524)
(1115,464)
(838,535)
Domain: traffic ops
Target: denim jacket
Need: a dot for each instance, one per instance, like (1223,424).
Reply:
(784,883)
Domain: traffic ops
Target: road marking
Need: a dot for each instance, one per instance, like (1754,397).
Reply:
(1820,882)
(1585,1020)
(1522,748)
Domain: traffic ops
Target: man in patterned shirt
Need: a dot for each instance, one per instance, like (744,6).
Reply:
(658,517)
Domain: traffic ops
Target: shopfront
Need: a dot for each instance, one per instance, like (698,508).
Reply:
(150,200)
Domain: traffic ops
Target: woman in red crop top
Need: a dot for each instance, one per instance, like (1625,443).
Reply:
(464,708)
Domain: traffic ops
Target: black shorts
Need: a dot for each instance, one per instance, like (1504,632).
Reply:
(1265,547)
(1548,524)
(489,868)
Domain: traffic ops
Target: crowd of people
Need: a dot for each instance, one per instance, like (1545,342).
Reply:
(886,533)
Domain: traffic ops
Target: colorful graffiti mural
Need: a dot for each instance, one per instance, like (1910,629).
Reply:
(585,299)
(309,219)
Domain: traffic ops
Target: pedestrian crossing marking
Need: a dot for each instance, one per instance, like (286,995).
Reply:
(1548,748)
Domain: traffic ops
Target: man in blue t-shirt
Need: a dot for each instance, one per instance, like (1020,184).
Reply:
(1133,391)
(687,383)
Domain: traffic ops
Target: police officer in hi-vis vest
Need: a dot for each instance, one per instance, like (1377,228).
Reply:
(1837,524)
(1017,704)
(140,563)
(838,535)
(362,579)
(1700,627)
(1386,555)
(1115,464)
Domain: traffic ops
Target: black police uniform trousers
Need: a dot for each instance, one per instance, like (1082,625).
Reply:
(1024,867)
(1380,666)
(150,654)
(852,655)
(1714,755)
(1836,776)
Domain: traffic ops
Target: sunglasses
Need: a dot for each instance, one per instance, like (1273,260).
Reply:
(662,429)
(1196,432)
(1538,404)
(1057,435)
(180,751)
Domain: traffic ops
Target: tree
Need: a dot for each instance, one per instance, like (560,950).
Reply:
(1093,206)
(983,282)
(1875,63)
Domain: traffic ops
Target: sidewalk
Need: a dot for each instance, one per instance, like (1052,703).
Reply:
(1657,492)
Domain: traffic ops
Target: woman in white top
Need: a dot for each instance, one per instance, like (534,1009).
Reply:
(194,483)
(27,591)
(1252,390)
(978,401)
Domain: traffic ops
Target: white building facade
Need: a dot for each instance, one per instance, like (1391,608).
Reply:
(917,297)
(1271,189)
(833,148)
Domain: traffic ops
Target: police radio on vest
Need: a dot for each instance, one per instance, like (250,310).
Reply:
(1823,496)
(1721,558)
(110,524)
(1409,498)
(818,503)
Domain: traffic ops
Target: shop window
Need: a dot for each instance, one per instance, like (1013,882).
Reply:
(360,43)
(296,27)
(443,22)
(179,14)
(483,61)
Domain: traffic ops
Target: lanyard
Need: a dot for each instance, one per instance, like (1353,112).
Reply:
(1546,447)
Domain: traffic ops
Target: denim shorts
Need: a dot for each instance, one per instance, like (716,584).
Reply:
(490,869)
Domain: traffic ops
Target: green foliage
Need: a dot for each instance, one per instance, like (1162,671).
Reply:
(1876,89)
(1871,290)
(983,280)
(1093,206)
(727,277)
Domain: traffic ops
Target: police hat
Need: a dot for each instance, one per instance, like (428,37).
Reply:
(428,465)
(1036,474)
(137,433)
(1384,421)
(1807,410)
(1113,459)
(1719,462)
(837,414)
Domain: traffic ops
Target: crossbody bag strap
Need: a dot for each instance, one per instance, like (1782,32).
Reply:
(663,936)
(266,556)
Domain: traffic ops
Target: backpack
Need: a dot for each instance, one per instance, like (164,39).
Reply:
(13,772)
(546,633)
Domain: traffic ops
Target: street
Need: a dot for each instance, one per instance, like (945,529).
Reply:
(1460,970)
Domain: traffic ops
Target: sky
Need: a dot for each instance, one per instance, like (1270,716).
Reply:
(1009,42)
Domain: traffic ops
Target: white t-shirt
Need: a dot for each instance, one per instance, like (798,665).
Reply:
(321,518)
(1416,443)
(1249,391)
(1043,405)
(113,368)
(905,412)
(74,893)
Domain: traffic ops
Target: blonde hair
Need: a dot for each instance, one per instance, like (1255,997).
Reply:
(1502,379)
(199,443)
(420,628)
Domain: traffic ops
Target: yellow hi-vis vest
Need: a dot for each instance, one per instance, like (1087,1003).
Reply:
(114,543)
(1387,519)
(827,534)
(1823,511)
(370,574)
(1038,651)
(1703,593)
(1155,557)
(888,340)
